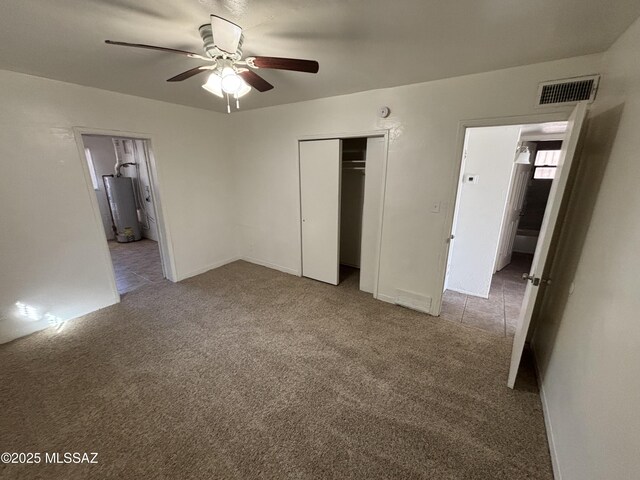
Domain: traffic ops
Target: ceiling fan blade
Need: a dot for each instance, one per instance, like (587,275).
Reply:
(255,80)
(160,49)
(189,73)
(226,34)
(294,64)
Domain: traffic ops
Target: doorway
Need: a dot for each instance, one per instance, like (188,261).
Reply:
(341,197)
(121,179)
(537,278)
(354,160)
(505,181)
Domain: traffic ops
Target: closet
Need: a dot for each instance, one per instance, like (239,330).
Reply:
(341,191)
(354,159)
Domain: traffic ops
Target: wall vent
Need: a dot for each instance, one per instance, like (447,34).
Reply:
(568,91)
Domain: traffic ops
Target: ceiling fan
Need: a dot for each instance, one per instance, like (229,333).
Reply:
(231,75)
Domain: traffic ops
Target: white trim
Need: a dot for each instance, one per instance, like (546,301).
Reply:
(299,208)
(164,236)
(340,136)
(206,268)
(101,238)
(87,312)
(542,137)
(386,298)
(559,116)
(290,271)
(553,453)
(394,301)
(385,165)
(464,292)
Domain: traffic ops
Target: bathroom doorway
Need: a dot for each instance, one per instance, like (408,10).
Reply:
(506,177)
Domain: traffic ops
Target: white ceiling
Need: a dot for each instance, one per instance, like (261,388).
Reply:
(360,44)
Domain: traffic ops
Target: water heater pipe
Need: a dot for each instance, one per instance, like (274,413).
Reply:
(120,165)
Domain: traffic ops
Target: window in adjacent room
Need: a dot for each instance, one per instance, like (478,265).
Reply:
(546,164)
(92,169)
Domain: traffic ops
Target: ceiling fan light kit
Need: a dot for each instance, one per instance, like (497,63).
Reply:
(230,76)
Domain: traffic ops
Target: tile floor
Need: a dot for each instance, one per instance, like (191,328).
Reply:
(499,312)
(136,264)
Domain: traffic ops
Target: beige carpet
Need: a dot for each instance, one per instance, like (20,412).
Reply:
(244,372)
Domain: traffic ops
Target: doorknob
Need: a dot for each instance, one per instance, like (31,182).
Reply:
(535,280)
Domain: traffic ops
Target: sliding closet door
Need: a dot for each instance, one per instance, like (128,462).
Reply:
(320,169)
(372,213)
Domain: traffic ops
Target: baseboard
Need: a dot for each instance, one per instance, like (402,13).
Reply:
(7,336)
(464,292)
(204,269)
(386,298)
(396,301)
(547,422)
(273,266)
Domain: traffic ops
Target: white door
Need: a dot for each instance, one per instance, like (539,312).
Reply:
(484,190)
(569,145)
(512,214)
(371,213)
(320,170)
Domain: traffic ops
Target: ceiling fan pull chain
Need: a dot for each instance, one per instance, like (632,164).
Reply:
(237,103)
(228,106)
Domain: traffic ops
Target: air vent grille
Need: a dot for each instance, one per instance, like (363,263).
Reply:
(572,90)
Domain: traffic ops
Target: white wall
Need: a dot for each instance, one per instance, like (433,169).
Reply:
(54,254)
(489,157)
(104,159)
(587,343)
(422,164)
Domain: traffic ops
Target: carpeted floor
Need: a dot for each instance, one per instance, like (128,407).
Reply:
(244,372)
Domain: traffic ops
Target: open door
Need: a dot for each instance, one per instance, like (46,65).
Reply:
(512,214)
(575,123)
(320,176)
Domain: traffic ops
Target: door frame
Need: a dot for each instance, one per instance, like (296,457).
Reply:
(341,136)
(463,125)
(164,237)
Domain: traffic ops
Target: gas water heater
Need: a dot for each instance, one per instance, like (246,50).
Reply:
(122,204)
